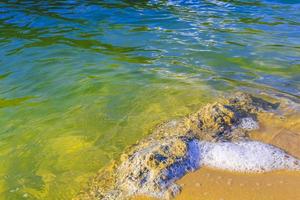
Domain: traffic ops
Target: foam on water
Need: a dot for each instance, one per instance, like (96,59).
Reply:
(248,124)
(247,156)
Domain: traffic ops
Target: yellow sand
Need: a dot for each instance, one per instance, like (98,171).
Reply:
(212,184)
(283,132)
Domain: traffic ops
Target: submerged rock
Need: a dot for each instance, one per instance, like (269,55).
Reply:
(228,120)
(215,136)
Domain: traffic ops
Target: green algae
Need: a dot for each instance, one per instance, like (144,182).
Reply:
(13,102)
(170,59)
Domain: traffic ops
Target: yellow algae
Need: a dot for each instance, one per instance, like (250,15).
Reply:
(70,155)
(68,144)
(2,186)
(37,194)
(12,102)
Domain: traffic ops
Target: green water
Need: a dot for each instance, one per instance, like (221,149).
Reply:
(82,80)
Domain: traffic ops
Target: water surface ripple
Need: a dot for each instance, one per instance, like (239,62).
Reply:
(81,80)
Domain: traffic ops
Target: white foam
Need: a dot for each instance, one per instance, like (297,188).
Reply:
(248,124)
(249,156)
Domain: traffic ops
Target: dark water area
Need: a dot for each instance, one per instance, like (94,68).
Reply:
(82,80)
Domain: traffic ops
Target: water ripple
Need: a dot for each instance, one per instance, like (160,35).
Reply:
(81,80)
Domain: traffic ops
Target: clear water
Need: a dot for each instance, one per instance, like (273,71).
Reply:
(81,80)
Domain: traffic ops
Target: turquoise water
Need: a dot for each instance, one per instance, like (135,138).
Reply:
(82,80)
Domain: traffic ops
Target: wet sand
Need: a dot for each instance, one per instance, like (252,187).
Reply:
(223,185)
(283,132)
(212,184)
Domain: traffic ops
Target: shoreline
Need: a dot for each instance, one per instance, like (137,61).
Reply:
(167,167)
(213,184)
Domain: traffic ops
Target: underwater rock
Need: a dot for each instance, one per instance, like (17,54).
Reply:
(215,136)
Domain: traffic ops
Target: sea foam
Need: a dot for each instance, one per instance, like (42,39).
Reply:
(247,156)
(248,124)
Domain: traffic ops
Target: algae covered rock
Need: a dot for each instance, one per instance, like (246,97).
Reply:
(249,104)
(175,127)
(212,121)
(228,120)
(149,169)
(225,120)
(152,169)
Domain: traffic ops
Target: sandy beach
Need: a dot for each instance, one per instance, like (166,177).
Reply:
(212,184)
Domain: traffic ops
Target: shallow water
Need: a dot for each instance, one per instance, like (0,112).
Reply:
(80,81)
